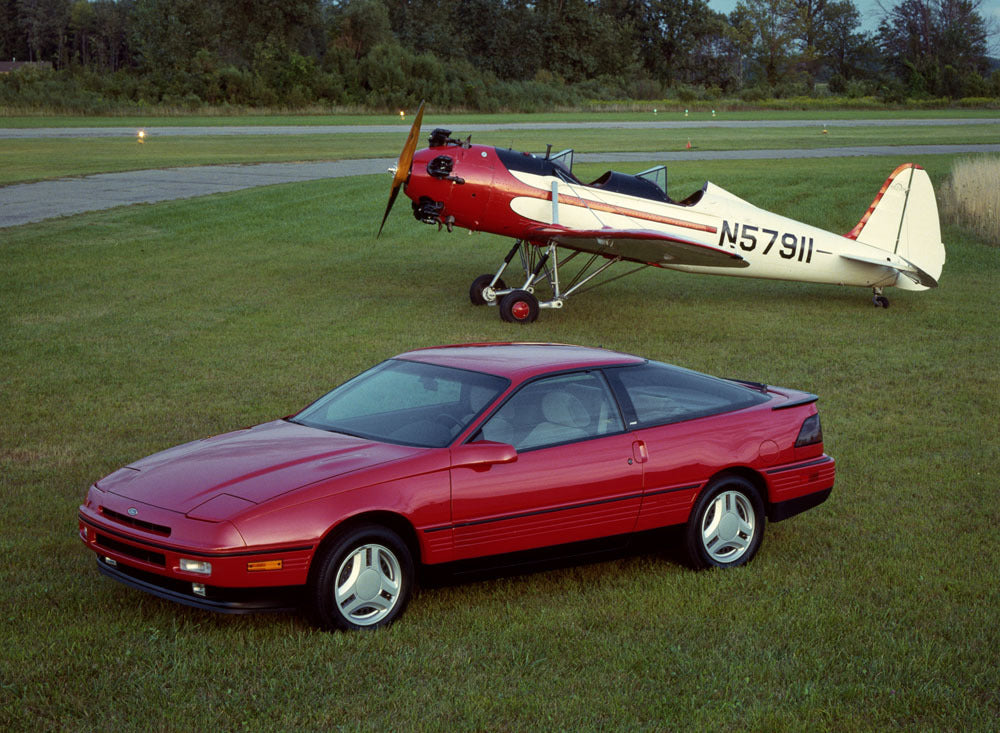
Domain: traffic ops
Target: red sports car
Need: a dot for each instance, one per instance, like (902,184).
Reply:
(452,454)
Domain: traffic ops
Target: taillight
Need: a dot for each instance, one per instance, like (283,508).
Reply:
(810,433)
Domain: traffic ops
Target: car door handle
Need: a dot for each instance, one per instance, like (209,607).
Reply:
(639,451)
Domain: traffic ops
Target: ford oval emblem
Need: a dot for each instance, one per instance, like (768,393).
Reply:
(132,511)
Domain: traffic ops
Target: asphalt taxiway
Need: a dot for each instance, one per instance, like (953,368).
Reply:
(32,202)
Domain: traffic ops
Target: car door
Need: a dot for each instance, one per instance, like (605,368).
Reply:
(686,427)
(575,477)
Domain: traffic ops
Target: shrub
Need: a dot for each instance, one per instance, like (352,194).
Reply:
(974,85)
(640,88)
(686,93)
(609,88)
(790,89)
(857,89)
(979,102)
(891,91)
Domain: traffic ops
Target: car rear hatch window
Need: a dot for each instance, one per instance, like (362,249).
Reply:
(658,394)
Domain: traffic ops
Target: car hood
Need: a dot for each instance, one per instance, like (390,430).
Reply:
(255,464)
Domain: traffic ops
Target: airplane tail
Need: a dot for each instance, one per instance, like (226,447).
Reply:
(903,220)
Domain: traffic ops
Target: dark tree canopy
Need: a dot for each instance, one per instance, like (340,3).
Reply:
(490,53)
(936,47)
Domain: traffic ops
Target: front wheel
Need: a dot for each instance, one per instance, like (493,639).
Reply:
(726,526)
(363,581)
(519,306)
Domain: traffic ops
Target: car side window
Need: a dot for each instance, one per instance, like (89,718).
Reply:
(561,409)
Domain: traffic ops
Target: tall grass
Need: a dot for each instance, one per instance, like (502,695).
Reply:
(971,196)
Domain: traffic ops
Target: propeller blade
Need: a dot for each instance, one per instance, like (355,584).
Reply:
(388,207)
(404,164)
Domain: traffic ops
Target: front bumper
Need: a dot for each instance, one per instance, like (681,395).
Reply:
(234,585)
(222,600)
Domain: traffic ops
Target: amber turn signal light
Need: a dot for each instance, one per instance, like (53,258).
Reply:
(263,565)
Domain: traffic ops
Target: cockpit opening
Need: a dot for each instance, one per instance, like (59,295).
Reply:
(649,184)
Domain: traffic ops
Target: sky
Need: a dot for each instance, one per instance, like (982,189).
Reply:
(870,14)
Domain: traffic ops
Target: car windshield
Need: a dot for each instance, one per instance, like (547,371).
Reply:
(405,402)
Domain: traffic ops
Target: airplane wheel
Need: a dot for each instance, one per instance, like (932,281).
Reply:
(880,301)
(519,306)
(480,293)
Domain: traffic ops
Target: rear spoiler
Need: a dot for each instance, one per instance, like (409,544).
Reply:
(805,399)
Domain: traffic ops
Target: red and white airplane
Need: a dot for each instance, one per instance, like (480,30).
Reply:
(630,218)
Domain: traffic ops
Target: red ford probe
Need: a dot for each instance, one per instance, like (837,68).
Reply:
(450,454)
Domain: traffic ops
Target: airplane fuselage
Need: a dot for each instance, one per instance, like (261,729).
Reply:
(483,188)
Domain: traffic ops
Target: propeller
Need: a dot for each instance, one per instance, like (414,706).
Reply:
(402,171)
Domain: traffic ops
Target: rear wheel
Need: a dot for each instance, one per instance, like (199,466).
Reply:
(363,581)
(519,306)
(726,526)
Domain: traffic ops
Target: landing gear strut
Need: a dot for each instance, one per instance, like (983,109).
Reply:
(879,300)
(521,305)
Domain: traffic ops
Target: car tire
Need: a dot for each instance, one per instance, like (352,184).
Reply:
(519,306)
(726,526)
(477,291)
(364,580)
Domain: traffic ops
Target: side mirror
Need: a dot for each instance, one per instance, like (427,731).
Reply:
(482,454)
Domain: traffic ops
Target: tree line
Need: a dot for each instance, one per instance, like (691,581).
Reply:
(485,54)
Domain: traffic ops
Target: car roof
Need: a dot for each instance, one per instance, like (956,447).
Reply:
(519,361)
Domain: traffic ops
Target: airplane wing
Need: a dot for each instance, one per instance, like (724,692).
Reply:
(901,264)
(639,245)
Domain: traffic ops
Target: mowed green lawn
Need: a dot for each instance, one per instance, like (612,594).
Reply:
(125,332)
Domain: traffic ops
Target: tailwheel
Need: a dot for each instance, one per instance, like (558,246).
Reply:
(482,292)
(879,300)
(519,306)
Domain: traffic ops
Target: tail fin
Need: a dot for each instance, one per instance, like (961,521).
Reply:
(903,220)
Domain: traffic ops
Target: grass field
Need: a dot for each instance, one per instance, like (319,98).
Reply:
(127,331)
(23,160)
